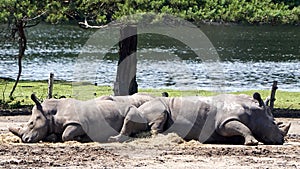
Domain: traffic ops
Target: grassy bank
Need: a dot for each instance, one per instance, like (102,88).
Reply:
(22,94)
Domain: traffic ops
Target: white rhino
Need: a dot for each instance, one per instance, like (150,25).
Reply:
(225,118)
(136,99)
(70,119)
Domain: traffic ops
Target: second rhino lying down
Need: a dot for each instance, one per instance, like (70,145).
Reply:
(226,118)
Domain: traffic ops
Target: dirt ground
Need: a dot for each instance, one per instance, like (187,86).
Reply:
(168,151)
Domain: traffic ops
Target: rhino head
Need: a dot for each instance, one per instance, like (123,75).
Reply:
(266,129)
(37,127)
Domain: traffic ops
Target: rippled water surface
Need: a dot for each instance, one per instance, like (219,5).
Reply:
(251,57)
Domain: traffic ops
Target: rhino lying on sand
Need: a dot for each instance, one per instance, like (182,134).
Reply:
(70,119)
(136,99)
(226,118)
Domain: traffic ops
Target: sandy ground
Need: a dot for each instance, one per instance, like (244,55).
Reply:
(168,151)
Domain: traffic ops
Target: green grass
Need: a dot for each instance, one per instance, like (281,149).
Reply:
(24,89)
(288,100)
(86,91)
(176,93)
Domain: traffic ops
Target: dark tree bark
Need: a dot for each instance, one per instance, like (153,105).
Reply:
(126,74)
(50,85)
(22,41)
(272,98)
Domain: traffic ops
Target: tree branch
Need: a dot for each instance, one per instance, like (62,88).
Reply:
(22,48)
(32,25)
(34,18)
(86,25)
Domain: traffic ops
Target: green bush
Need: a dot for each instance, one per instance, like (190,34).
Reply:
(240,11)
(104,11)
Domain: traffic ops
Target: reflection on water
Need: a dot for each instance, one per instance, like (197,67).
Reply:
(176,74)
(251,58)
(256,43)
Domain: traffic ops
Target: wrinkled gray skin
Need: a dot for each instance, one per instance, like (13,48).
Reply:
(226,118)
(70,119)
(136,99)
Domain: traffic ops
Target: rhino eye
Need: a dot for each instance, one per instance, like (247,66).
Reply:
(31,124)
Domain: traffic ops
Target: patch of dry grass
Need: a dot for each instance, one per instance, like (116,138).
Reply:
(9,138)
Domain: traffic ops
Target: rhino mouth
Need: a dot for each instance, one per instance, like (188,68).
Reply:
(30,139)
(277,139)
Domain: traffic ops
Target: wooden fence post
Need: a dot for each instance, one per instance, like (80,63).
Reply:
(126,73)
(50,85)
(272,98)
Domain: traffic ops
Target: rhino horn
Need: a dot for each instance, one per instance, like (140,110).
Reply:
(285,129)
(16,131)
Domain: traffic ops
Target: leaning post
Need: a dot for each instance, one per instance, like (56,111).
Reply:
(272,98)
(50,85)
(126,72)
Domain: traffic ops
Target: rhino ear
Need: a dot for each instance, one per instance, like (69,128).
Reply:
(36,101)
(257,97)
(165,94)
(267,101)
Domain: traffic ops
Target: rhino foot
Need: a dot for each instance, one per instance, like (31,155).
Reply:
(251,141)
(154,133)
(118,138)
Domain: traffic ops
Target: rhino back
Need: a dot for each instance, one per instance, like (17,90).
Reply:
(136,100)
(185,116)
(194,118)
(237,107)
(100,119)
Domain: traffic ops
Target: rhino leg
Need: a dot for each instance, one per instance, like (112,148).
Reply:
(157,125)
(52,138)
(236,128)
(75,132)
(134,123)
(118,138)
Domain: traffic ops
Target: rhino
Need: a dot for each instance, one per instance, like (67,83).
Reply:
(74,120)
(136,99)
(225,118)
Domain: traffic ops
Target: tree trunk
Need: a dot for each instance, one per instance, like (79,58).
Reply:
(126,73)
(272,99)
(50,85)
(22,46)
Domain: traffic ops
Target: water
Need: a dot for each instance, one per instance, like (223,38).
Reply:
(251,57)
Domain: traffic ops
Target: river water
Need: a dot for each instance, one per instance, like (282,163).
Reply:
(249,57)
